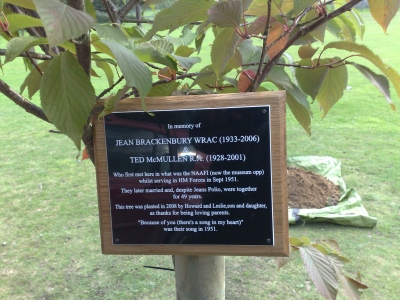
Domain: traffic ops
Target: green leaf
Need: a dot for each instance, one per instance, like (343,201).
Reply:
(148,53)
(363,51)
(319,32)
(231,81)
(109,32)
(89,8)
(199,41)
(23,3)
(236,60)
(111,101)
(306,51)
(300,5)
(355,18)
(177,41)
(163,46)
(32,81)
(135,71)
(306,241)
(310,80)
(67,96)
(18,45)
(348,29)
(99,46)
(61,21)
(184,51)
(180,13)
(223,48)
(249,52)
(165,89)
(136,32)
(295,99)
(185,63)
(18,22)
(300,112)
(334,28)
(102,64)
(187,35)
(332,88)
(260,8)
(246,4)
(205,76)
(380,81)
(383,11)
(295,241)
(320,271)
(226,14)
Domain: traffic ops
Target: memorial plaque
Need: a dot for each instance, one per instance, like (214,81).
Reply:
(191,178)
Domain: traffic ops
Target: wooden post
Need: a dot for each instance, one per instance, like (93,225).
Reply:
(200,277)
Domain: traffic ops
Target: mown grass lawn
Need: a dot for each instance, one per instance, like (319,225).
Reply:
(49,233)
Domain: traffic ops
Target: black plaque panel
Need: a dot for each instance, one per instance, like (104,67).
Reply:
(191,176)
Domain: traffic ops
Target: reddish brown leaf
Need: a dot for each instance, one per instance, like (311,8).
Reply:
(166,73)
(85,155)
(275,33)
(258,25)
(244,81)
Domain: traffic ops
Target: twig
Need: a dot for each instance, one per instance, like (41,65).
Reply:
(55,131)
(112,12)
(127,8)
(265,38)
(109,89)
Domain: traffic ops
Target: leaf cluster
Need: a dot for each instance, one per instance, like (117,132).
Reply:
(323,262)
(248,52)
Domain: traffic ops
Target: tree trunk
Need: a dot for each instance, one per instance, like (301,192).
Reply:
(200,277)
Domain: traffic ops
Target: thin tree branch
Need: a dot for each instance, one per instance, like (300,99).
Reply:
(331,65)
(29,107)
(112,12)
(138,13)
(127,20)
(127,8)
(265,38)
(103,93)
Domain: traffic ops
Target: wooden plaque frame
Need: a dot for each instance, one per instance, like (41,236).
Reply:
(276,101)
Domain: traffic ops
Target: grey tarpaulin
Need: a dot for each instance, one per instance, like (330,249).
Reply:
(349,210)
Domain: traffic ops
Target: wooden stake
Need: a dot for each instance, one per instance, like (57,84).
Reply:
(200,277)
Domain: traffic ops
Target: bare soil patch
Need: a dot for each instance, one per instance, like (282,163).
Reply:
(310,190)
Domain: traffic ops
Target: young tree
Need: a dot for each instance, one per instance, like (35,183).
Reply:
(63,46)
